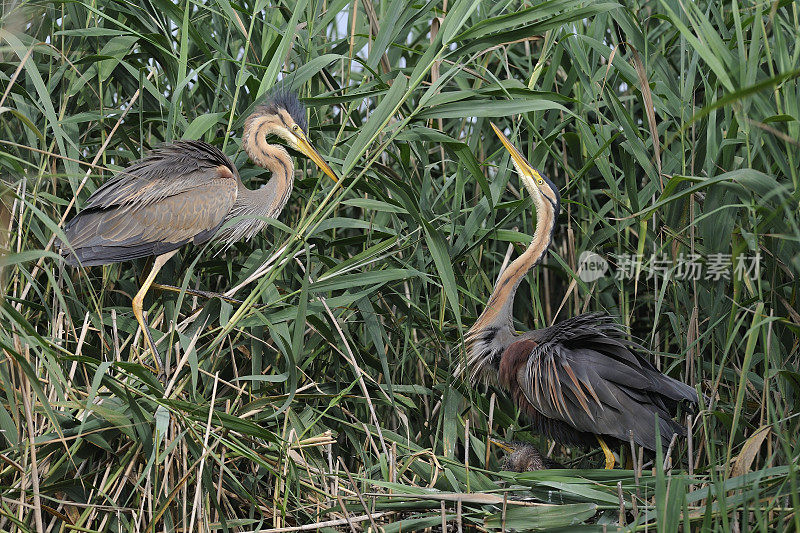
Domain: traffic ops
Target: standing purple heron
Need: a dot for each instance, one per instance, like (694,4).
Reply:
(186,192)
(579,381)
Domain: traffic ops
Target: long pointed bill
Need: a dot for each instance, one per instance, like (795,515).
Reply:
(518,158)
(500,444)
(304,146)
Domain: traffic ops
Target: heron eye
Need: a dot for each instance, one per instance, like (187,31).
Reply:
(540,181)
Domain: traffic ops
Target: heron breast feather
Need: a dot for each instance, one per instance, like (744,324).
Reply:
(513,358)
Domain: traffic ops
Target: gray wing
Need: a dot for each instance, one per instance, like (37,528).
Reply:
(180,193)
(584,374)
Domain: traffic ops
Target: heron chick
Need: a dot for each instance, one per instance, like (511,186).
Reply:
(524,457)
(189,192)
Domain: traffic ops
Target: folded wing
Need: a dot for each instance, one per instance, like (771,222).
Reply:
(180,193)
(583,374)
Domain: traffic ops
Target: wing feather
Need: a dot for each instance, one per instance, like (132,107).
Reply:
(180,193)
(582,374)
(167,170)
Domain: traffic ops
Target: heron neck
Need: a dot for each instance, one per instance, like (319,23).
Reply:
(270,199)
(498,311)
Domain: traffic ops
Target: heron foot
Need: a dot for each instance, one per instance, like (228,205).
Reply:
(208,295)
(608,453)
(151,345)
(160,368)
(138,302)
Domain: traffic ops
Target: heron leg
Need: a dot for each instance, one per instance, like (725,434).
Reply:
(607,452)
(138,300)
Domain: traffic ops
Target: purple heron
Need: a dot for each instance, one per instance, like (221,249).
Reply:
(186,192)
(579,381)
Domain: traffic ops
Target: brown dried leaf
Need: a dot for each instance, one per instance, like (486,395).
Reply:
(742,463)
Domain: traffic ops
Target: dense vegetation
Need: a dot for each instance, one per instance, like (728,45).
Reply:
(321,390)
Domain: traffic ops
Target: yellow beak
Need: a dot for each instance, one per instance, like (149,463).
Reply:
(307,149)
(518,158)
(500,444)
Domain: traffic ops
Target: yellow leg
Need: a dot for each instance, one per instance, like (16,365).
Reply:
(137,306)
(607,452)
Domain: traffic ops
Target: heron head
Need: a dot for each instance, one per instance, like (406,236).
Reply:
(523,457)
(285,116)
(538,185)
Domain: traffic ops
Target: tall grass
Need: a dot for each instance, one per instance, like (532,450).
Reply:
(321,390)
